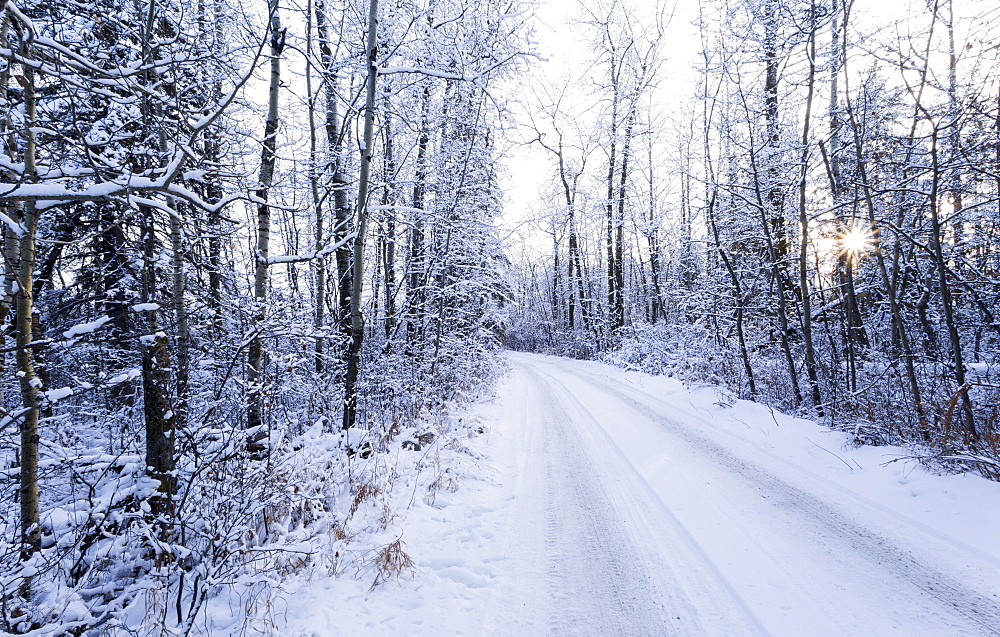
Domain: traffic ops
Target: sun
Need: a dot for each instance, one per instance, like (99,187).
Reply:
(857,240)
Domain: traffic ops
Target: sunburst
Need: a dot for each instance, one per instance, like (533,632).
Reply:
(857,240)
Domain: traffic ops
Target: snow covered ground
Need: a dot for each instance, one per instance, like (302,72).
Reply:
(614,503)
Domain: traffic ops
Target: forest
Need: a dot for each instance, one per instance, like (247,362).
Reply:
(255,264)
(239,272)
(814,227)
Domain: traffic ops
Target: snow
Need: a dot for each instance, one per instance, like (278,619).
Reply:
(86,328)
(393,70)
(604,501)
(308,256)
(15,227)
(131,374)
(58,192)
(54,395)
(145,307)
(151,339)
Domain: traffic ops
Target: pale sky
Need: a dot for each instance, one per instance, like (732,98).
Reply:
(563,47)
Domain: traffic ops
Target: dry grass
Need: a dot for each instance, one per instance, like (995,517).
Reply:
(390,563)
(361,492)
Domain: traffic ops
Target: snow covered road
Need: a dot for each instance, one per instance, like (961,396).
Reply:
(616,503)
(597,552)
(637,516)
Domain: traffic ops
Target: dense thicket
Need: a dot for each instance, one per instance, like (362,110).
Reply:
(182,236)
(816,229)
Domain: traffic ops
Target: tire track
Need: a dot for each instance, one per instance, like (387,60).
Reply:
(594,578)
(605,587)
(948,600)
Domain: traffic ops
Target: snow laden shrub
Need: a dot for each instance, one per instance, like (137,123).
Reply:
(247,521)
(687,353)
(96,538)
(108,561)
(877,411)
(542,337)
(252,509)
(696,354)
(406,390)
(529,336)
(881,412)
(328,502)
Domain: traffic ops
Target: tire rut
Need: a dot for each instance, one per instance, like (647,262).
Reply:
(830,526)
(594,578)
(683,593)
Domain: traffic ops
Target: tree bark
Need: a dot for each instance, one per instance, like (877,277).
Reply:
(415,289)
(341,206)
(31,533)
(854,332)
(318,262)
(157,412)
(947,303)
(179,285)
(804,294)
(267,161)
(899,327)
(357,320)
(777,225)
(763,205)
(389,248)
(11,247)
(609,207)
(618,309)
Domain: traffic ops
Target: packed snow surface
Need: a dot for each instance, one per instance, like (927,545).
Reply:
(616,503)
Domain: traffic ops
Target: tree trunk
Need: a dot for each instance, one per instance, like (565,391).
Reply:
(774,263)
(213,195)
(267,162)
(804,294)
(415,292)
(341,206)
(357,320)
(609,207)
(182,372)
(8,296)
(10,247)
(777,225)
(618,309)
(318,262)
(854,332)
(899,327)
(652,238)
(773,205)
(947,303)
(31,533)
(554,298)
(113,256)
(157,413)
(389,251)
